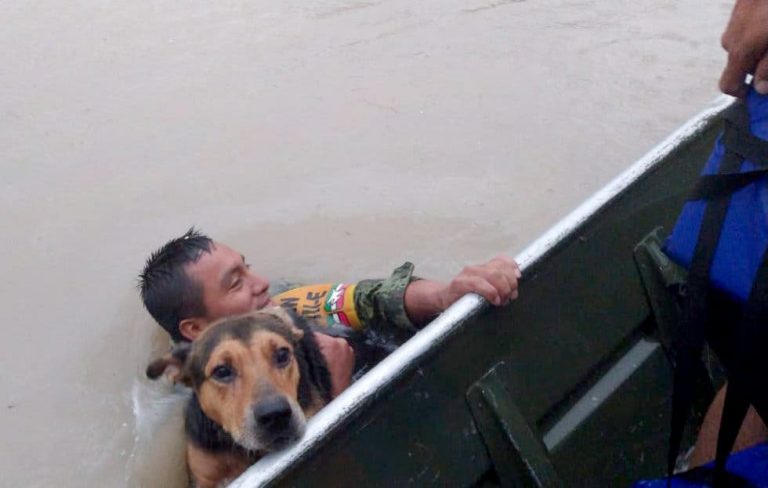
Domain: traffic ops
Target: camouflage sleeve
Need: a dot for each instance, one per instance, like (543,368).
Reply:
(375,304)
(380,303)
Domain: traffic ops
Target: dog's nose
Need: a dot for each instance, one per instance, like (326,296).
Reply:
(273,414)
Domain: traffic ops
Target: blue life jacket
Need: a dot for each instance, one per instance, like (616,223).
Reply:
(744,236)
(721,237)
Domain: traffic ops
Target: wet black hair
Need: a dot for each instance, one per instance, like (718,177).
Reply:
(168,292)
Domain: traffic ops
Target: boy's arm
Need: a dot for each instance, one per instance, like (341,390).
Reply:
(410,303)
(401,300)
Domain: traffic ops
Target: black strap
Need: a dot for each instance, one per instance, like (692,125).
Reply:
(690,343)
(747,380)
(738,140)
(741,141)
(735,409)
(747,383)
(713,186)
(736,114)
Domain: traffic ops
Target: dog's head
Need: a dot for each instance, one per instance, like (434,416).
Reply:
(246,377)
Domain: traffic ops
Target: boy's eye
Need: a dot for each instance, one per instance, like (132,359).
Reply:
(236,283)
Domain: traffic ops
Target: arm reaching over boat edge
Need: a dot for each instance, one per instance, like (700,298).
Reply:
(400,301)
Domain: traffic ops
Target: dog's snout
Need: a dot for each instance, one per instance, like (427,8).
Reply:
(273,414)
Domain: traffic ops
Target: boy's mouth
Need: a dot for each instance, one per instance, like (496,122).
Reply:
(262,301)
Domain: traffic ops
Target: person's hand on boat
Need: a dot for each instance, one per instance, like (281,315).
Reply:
(340,359)
(495,280)
(746,41)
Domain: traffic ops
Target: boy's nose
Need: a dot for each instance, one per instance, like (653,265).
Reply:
(259,284)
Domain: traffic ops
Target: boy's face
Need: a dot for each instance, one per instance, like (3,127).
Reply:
(229,286)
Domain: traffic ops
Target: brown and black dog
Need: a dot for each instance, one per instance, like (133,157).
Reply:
(256,379)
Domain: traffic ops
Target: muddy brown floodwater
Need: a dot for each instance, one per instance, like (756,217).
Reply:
(326,140)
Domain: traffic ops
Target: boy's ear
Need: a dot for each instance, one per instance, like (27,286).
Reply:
(171,365)
(191,328)
(289,318)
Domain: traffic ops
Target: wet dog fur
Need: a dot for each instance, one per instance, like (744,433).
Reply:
(256,379)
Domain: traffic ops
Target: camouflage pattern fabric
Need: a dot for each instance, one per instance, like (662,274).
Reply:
(380,303)
(368,304)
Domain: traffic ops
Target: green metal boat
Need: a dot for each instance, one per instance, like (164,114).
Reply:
(568,386)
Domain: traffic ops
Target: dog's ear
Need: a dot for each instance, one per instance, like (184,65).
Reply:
(289,318)
(171,365)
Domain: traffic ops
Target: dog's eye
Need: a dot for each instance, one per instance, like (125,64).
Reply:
(222,373)
(283,357)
